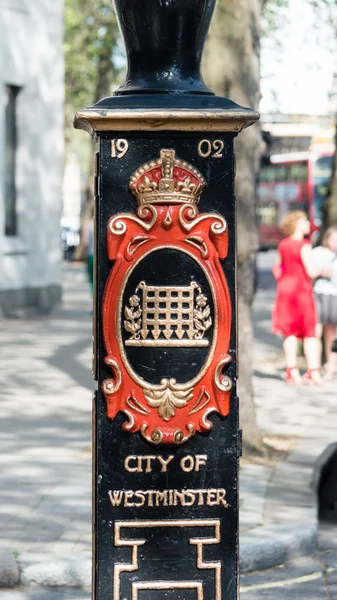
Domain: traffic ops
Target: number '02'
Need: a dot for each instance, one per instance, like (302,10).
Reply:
(119,148)
(213,149)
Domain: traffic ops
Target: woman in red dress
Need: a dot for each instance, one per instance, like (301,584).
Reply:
(294,314)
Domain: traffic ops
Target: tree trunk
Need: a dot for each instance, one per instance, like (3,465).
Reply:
(102,89)
(232,69)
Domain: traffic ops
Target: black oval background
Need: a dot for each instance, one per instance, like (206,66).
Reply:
(167,267)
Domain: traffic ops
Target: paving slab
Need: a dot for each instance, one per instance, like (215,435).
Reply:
(44,594)
(300,581)
(254,481)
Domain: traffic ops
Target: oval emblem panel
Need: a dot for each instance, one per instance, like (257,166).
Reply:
(167,320)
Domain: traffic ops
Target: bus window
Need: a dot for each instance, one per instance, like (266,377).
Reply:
(267,214)
(263,174)
(298,171)
(298,205)
(322,174)
(281,173)
(323,166)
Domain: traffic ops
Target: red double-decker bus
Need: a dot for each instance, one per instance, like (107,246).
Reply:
(295,181)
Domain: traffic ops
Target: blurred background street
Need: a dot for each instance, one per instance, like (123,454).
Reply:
(56,57)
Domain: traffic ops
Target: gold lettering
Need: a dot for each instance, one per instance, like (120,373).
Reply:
(164,462)
(178,496)
(148,460)
(211,498)
(116,498)
(152,498)
(200,460)
(220,498)
(141,496)
(206,147)
(127,495)
(191,495)
(187,463)
(119,148)
(201,497)
(218,145)
(144,464)
(161,496)
(127,464)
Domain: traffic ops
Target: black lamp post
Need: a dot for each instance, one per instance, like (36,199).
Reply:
(166,438)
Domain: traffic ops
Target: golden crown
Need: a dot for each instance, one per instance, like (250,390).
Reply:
(167,180)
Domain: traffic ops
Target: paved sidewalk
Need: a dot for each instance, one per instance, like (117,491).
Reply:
(45,441)
(45,488)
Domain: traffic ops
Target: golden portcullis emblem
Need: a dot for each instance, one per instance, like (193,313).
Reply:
(167,316)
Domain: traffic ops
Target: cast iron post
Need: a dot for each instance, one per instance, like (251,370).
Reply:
(166,437)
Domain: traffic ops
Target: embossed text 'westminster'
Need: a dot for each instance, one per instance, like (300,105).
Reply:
(154,498)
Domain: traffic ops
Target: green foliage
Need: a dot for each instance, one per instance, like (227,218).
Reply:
(326,10)
(91,51)
(273,16)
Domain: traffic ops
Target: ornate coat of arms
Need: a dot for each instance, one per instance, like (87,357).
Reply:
(166,307)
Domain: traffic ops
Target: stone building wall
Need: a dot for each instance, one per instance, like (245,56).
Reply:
(31,63)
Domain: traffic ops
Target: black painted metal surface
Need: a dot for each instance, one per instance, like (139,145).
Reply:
(164,41)
(165,516)
(166,555)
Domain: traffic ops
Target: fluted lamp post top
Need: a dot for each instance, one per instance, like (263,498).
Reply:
(164,42)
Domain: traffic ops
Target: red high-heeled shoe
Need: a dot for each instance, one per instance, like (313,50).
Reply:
(291,377)
(313,377)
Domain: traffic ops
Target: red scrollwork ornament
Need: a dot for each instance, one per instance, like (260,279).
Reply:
(156,317)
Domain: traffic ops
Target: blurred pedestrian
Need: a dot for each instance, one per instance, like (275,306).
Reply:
(325,289)
(294,314)
(88,249)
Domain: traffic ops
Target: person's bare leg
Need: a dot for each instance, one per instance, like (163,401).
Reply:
(319,335)
(311,348)
(330,333)
(290,353)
